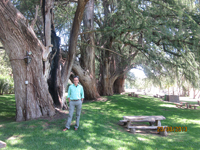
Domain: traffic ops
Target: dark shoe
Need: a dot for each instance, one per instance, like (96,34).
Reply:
(75,129)
(65,129)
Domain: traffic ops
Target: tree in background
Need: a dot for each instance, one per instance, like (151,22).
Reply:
(6,85)
(5,68)
(130,80)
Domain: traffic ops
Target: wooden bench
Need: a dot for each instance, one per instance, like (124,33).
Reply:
(162,96)
(156,96)
(182,104)
(124,122)
(195,106)
(131,94)
(136,95)
(185,103)
(2,144)
(133,129)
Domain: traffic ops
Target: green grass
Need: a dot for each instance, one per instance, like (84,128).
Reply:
(190,102)
(99,128)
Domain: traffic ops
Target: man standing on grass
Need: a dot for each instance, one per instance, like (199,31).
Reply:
(75,97)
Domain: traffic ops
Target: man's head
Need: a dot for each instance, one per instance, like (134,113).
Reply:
(76,80)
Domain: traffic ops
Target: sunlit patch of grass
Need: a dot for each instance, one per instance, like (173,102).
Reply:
(168,105)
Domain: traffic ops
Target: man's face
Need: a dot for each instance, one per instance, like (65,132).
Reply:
(76,81)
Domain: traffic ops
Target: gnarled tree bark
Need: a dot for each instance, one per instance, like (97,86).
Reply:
(118,86)
(47,6)
(32,99)
(51,64)
(108,74)
(87,82)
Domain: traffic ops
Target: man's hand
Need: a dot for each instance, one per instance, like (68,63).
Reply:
(69,100)
(82,99)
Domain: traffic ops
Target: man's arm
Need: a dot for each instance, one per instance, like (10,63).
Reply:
(82,94)
(69,93)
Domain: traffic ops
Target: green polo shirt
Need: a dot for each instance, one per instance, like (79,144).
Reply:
(75,92)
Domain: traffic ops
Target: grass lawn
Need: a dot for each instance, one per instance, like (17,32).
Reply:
(190,102)
(99,128)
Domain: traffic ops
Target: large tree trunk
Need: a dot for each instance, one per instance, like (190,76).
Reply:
(88,84)
(47,6)
(73,41)
(113,75)
(33,99)
(108,75)
(58,80)
(113,67)
(56,87)
(52,71)
(106,86)
(87,60)
(119,85)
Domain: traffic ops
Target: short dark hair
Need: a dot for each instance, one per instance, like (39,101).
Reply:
(76,77)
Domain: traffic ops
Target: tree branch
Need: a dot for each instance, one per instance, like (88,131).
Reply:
(102,48)
(97,21)
(98,58)
(165,50)
(73,41)
(35,19)
(64,1)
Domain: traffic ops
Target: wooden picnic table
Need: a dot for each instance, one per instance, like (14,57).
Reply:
(181,104)
(195,106)
(151,119)
(187,105)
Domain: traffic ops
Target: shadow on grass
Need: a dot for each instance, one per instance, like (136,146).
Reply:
(7,108)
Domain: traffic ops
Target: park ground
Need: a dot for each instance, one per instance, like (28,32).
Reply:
(99,128)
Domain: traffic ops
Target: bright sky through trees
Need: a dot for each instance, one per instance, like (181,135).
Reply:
(139,73)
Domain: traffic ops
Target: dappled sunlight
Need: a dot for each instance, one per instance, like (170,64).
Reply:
(51,142)
(88,125)
(89,148)
(99,129)
(185,121)
(122,148)
(13,140)
(143,139)
(96,108)
(192,121)
(14,137)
